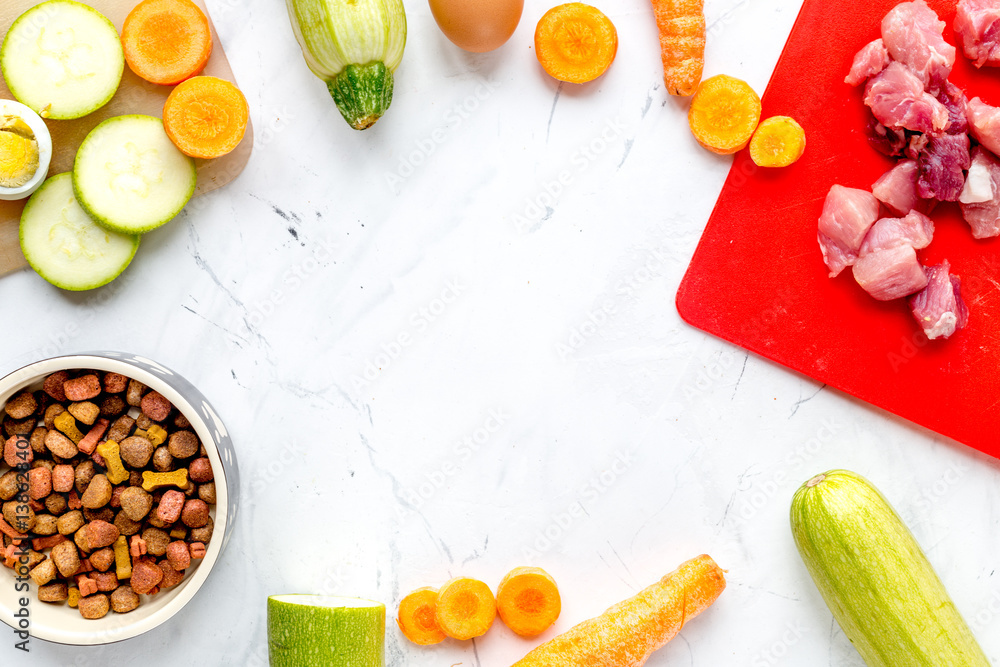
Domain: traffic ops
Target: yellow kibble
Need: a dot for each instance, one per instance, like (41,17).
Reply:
(154,480)
(74,596)
(156,434)
(123,560)
(65,423)
(111,453)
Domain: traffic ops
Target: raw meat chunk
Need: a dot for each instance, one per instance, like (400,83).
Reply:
(897,99)
(887,141)
(913,229)
(955,101)
(890,274)
(941,167)
(848,213)
(869,61)
(984,124)
(977,23)
(980,198)
(911,32)
(897,189)
(939,307)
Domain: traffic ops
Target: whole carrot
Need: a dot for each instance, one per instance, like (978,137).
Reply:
(682,43)
(626,634)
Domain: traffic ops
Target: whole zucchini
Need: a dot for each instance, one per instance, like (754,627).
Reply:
(875,578)
(354,46)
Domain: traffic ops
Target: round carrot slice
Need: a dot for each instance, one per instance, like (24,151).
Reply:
(575,42)
(416,617)
(205,117)
(724,114)
(778,142)
(528,601)
(465,608)
(166,41)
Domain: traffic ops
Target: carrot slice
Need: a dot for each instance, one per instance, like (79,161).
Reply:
(465,608)
(724,114)
(416,618)
(575,42)
(778,142)
(205,117)
(166,41)
(528,601)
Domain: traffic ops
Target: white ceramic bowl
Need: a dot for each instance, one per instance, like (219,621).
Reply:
(44,140)
(62,624)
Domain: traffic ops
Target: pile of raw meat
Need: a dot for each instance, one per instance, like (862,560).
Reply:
(925,120)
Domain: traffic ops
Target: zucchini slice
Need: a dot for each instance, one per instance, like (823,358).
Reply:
(63,59)
(64,246)
(129,176)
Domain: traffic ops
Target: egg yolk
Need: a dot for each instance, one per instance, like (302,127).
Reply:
(18,152)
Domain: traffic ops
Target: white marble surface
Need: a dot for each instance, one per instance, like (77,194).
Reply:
(422,384)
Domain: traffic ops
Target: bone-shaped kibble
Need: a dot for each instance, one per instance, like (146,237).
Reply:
(154,480)
(156,434)
(123,560)
(111,453)
(67,424)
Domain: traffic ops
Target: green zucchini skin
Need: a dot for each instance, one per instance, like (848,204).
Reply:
(875,578)
(362,93)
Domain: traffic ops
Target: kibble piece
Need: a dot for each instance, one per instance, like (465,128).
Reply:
(102,514)
(133,396)
(200,470)
(12,427)
(124,599)
(115,383)
(113,406)
(120,428)
(155,406)
(82,388)
(206,492)
(39,483)
(19,516)
(179,555)
(85,472)
(180,421)
(55,503)
(116,495)
(53,385)
(63,477)
(111,452)
(98,534)
(17,450)
(170,506)
(57,591)
(34,558)
(135,478)
(85,411)
(171,576)
(45,524)
(102,559)
(156,541)
(195,513)
(51,413)
(183,444)
(155,480)
(125,525)
(94,606)
(98,493)
(21,405)
(156,434)
(136,451)
(145,577)
(163,461)
(44,572)
(8,485)
(136,503)
(203,534)
(66,558)
(178,532)
(60,445)
(70,522)
(87,585)
(37,439)
(106,581)
(73,599)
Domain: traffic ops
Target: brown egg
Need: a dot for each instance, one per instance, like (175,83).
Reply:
(477,25)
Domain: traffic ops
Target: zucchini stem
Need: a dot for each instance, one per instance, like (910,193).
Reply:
(362,93)
(816,480)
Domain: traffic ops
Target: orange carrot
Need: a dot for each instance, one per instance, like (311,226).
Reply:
(465,608)
(626,634)
(682,43)
(528,601)
(416,618)
(205,117)
(724,114)
(778,142)
(575,42)
(166,41)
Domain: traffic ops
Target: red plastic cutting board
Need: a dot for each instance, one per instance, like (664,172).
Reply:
(757,278)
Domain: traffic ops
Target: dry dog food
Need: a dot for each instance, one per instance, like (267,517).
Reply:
(106,491)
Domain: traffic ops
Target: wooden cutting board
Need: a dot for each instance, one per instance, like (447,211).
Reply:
(757,278)
(134,96)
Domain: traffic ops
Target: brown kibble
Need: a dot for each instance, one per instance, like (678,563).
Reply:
(60,445)
(163,461)
(39,483)
(200,470)
(125,525)
(85,412)
(115,383)
(45,524)
(53,385)
(98,493)
(156,541)
(203,534)
(94,606)
(66,558)
(102,559)
(136,503)
(85,472)
(70,522)
(143,422)
(183,444)
(116,495)
(103,514)
(21,405)
(63,477)
(135,478)
(179,555)
(55,503)
(206,492)
(155,406)
(82,388)
(124,600)
(12,427)
(195,513)
(120,428)
(113,406)
(37,439)
(136,451)
(51,413)
(44,572)
(180,421)
(100,534)
(16,517)
(145,577)
(8,485)
(17,450)
(133,396)
(106,581)
(57,591)
(171,576)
